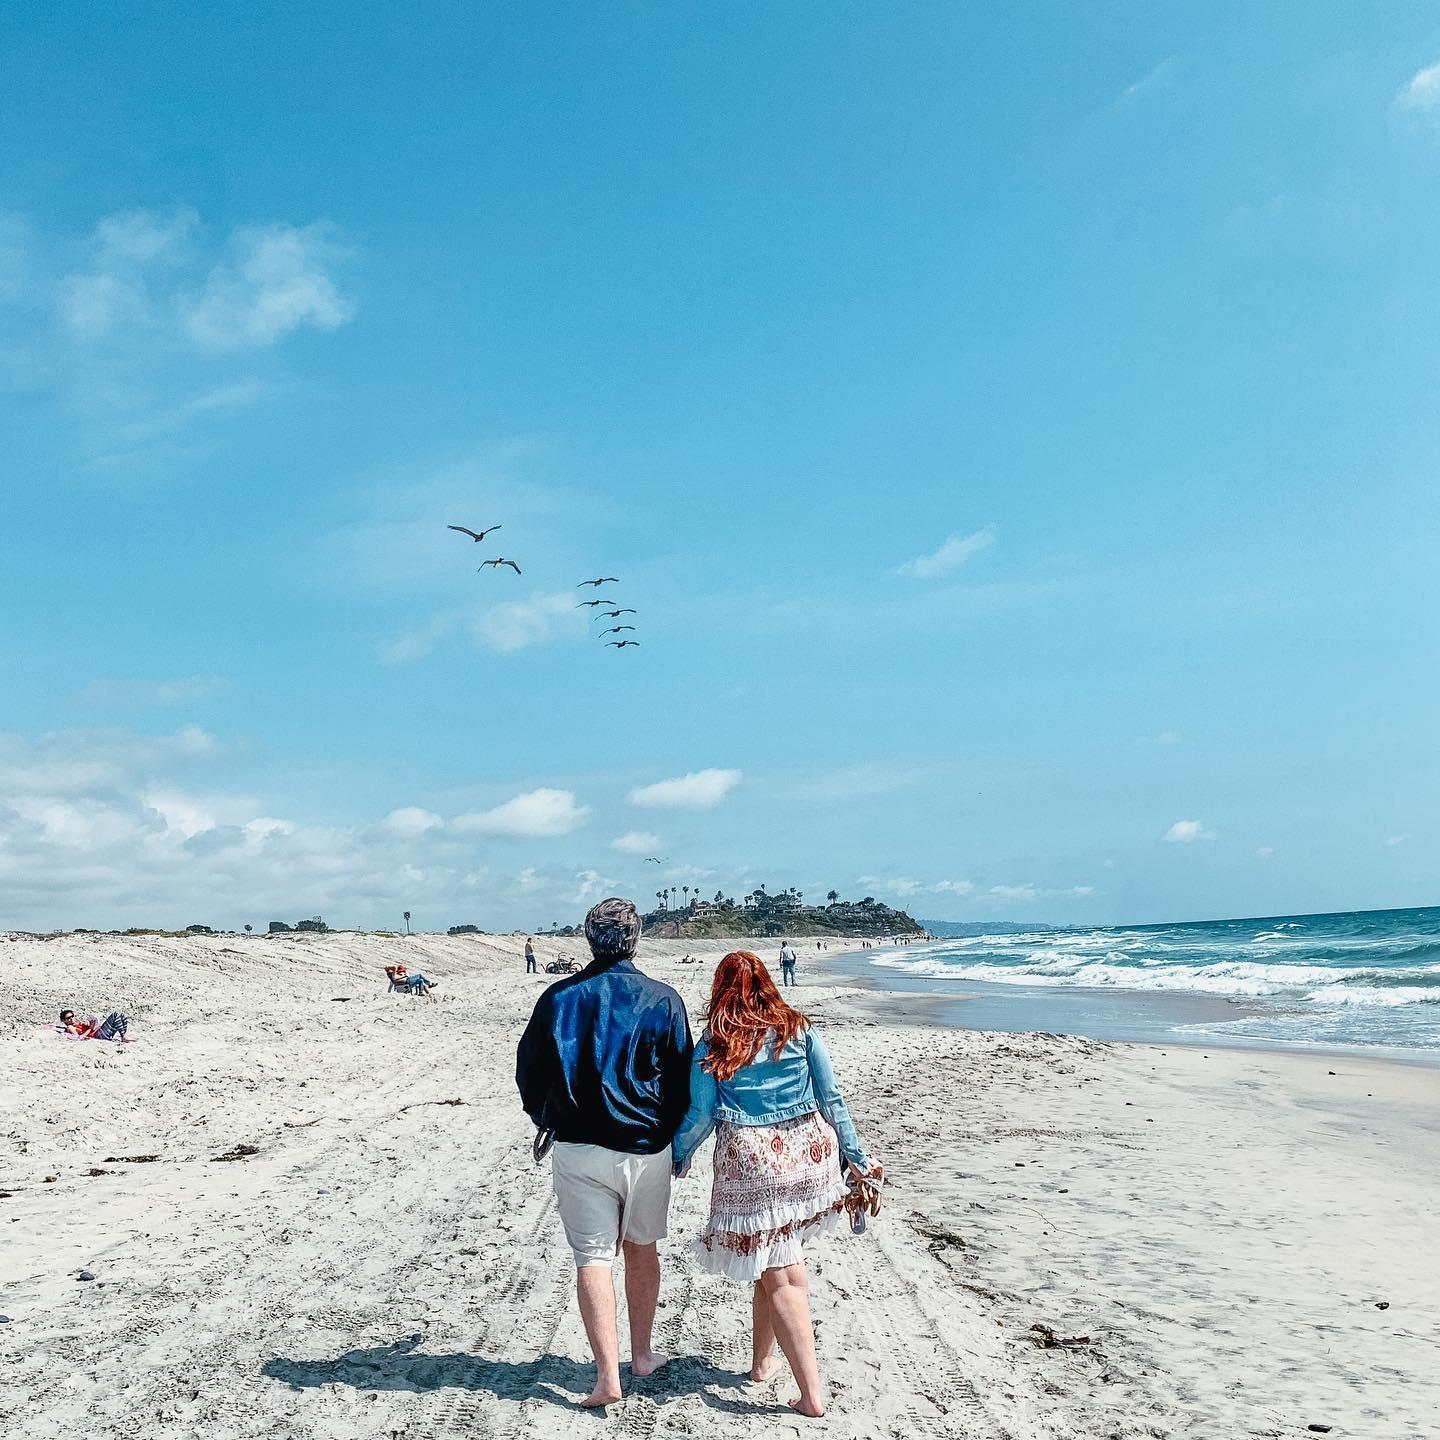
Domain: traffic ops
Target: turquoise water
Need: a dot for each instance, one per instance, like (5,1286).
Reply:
(1367,979)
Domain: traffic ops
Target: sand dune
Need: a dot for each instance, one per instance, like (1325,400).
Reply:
(387,1264)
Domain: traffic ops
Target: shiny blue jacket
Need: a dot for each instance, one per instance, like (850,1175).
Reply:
(605,1060)
(771,1088)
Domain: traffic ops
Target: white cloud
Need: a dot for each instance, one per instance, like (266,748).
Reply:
(1265,852)
(505,628)
(113,828)
(1393,840)
(517,624)
(277,278)
(118,288)
(151,692)
(636,842)
(953,887)
(950,556)
(1420,94)
(1013,892)
(589,886)
(411,820)
(534,815)
(1081,890)
(1185,832)
(699,790)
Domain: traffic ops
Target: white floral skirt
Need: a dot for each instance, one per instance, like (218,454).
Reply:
(775,1187)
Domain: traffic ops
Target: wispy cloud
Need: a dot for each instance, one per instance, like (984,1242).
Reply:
(636,842)
(953,887)
(534,815)
(275,279)
(1419,96)
(1186,832)
(1164,738)
(954,553)
(1158,77)
(699,790)
(504,629)
(1013,892)
(124,693)
(1393,840)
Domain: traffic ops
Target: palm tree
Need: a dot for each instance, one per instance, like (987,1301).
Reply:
(833,896)
(249,928)
(686,889)
(660,896)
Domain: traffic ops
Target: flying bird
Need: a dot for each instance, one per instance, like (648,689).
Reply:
(616,614)
(616,629)
(498,561)
(476,535)
(590,604)
(651,860)
(620,644)
(603,580)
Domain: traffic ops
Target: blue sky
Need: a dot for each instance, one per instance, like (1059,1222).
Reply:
(1016,431)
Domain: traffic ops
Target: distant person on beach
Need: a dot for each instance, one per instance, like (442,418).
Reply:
(92,1027)
(787,963)
(400,978)
(761,1073)
(530,966)
(604,1069)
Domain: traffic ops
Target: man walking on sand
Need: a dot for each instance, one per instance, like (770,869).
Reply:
(604,1068)
(531,968)
(787,963)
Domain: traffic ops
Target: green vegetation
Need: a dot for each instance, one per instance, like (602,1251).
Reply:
(681,912)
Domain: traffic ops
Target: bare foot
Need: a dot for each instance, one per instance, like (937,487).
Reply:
(767,1369)
(602,1395)
(812,1408)
(647,1362)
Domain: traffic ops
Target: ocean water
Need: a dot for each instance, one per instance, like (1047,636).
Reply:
(1366,980)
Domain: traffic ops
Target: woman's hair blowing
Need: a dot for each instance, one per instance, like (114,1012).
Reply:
(745,1006)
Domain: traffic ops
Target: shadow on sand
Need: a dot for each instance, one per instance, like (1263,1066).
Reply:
(552,1378)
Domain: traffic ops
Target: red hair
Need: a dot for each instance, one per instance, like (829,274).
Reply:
(745,1006)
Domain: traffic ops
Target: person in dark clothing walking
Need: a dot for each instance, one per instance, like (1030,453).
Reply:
(531,967)
(603,1068)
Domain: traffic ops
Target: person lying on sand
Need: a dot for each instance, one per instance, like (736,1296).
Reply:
(92,1027)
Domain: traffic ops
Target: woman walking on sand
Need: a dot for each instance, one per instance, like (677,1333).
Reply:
(762,1075)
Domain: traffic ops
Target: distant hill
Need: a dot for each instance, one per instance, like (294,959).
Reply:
(782,914)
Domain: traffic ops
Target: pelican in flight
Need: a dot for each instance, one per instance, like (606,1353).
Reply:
(476,535)
(652,860)
(603,580)
(616,614)
(590,604)
(616,629)
(498,561)
(620,644)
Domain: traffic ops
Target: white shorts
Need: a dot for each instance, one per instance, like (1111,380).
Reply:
(606,1196)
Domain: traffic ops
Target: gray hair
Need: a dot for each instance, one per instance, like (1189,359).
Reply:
(613,929)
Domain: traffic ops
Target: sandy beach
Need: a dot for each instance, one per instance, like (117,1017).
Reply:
(309,1210)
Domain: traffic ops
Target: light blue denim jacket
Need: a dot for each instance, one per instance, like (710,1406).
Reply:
(799,1081)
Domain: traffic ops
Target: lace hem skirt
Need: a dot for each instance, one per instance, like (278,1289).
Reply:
(775,1187)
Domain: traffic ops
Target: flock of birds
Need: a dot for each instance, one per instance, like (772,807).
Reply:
(605,609)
